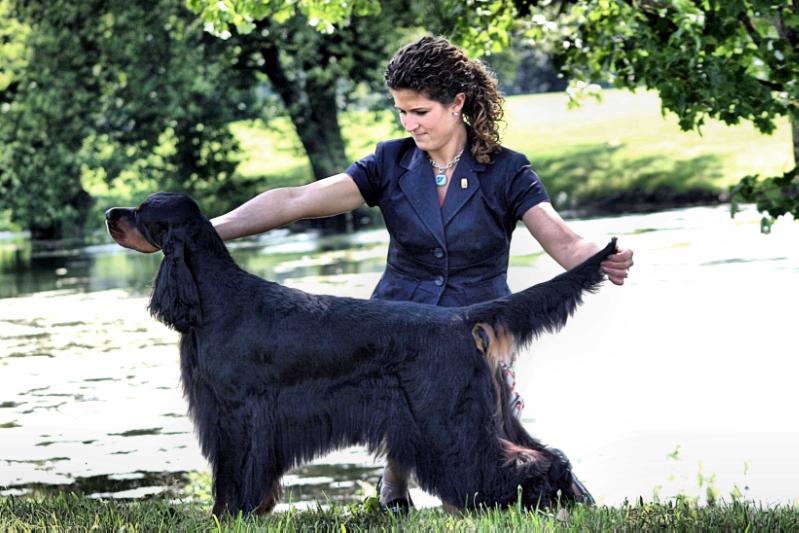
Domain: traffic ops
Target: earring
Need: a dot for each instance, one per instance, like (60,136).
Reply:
(455,113)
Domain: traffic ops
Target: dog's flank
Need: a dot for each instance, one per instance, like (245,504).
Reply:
(275,377)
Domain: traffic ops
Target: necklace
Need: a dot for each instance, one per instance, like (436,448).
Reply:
(441,170)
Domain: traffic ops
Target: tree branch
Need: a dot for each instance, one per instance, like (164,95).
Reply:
(770,84)
(750,29)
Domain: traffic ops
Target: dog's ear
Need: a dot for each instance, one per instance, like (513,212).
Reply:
(175,300)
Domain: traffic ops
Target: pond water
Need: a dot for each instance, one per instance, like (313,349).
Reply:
(680,382)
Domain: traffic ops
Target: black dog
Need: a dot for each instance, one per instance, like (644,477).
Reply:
(275,377)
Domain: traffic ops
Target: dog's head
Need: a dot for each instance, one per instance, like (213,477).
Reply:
(146,228)
(168,222)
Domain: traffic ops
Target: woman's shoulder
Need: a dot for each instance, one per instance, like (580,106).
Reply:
(505,156)
(395,148)
(506,163)
(396,143)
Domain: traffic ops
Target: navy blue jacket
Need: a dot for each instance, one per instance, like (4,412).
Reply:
(456,254)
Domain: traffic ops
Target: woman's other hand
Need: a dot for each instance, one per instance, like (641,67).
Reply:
(617,266)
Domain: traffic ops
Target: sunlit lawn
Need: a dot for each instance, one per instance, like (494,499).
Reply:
(622,143)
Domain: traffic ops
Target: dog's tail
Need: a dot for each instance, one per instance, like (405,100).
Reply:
(501,327)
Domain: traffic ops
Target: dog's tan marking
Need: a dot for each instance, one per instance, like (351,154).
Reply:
(449,508)
(270,499)
(500,346)
(517,454)
(126,235)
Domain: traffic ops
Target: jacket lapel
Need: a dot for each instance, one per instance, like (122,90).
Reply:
(464,185)
(418,185)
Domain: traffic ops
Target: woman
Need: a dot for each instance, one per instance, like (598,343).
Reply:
(450,195)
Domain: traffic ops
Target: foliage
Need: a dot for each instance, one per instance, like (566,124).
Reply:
(112,90)
(219,16)
(119,92)
(729,60)
(771,195)
(12,53)
(481,26)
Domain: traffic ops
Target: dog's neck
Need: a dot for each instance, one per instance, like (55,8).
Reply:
(207,253)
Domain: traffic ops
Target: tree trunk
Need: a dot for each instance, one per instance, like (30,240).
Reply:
(317,126)
(795,132)
(314,112)
(60,227)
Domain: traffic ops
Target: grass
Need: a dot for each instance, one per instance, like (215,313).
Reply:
(64,512)
(615,155)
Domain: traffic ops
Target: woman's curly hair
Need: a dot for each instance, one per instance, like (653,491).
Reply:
(440,70)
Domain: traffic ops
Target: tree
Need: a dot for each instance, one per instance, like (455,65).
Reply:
(315,73)
(109,88)
(315,52)
(147,92)
(730,60)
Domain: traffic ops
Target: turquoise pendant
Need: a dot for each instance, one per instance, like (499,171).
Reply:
(441,180)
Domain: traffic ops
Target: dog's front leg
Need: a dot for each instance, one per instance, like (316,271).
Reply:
(226,475)
(227,500)
(270,499)
(246,468)
(224,492)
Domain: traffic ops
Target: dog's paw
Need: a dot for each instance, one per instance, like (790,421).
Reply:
(561,476)
(578,493)
(560,468)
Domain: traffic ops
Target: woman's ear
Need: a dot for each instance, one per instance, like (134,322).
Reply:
(175,300)
(457,103)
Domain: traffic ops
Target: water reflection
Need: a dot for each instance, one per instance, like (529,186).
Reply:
(33,267)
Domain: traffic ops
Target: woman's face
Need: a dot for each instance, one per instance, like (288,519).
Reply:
(431,124)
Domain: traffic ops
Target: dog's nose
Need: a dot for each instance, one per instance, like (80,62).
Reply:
(112,214)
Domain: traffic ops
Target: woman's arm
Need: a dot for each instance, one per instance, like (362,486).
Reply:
(568,248)
(278,207)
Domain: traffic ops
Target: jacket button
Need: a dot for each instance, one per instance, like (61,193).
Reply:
(439,281)
(438,252)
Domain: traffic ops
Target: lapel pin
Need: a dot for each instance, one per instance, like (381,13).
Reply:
(464,183)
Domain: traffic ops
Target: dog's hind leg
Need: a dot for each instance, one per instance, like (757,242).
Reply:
(519,448)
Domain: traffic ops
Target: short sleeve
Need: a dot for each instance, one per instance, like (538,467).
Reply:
(366,174)
(525,191)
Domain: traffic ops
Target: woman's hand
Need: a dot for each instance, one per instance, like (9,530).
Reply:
(617,266)
(568,248)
